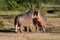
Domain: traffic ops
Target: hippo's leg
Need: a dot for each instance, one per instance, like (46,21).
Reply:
(43,29)
(16,28)
(37,28)
(21,29)
(27,29)
(30,29)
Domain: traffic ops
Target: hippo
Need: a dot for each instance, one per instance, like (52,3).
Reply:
(23,20)
(39,20)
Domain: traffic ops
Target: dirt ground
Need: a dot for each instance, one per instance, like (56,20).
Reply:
(28,36)
(53,22)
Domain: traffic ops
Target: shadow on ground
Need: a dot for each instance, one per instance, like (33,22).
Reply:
(11,30)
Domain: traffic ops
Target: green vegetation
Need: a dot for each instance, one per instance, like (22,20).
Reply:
(9,12)
(58,16)
(23,5)
(1,25)
(54,15)
(13,7)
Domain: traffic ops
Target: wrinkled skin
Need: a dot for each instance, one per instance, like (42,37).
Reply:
(39,20)
(23,20)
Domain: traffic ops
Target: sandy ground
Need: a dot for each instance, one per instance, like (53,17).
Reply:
(28,36)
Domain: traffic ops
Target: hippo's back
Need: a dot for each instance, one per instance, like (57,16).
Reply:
(24,19)
(44,17)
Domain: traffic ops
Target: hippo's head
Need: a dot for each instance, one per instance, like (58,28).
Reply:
(36,13)
(31,10)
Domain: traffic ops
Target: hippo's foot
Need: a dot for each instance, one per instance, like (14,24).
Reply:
(44,31)
(15,31)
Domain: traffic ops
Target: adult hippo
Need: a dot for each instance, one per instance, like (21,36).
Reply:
(23,20)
